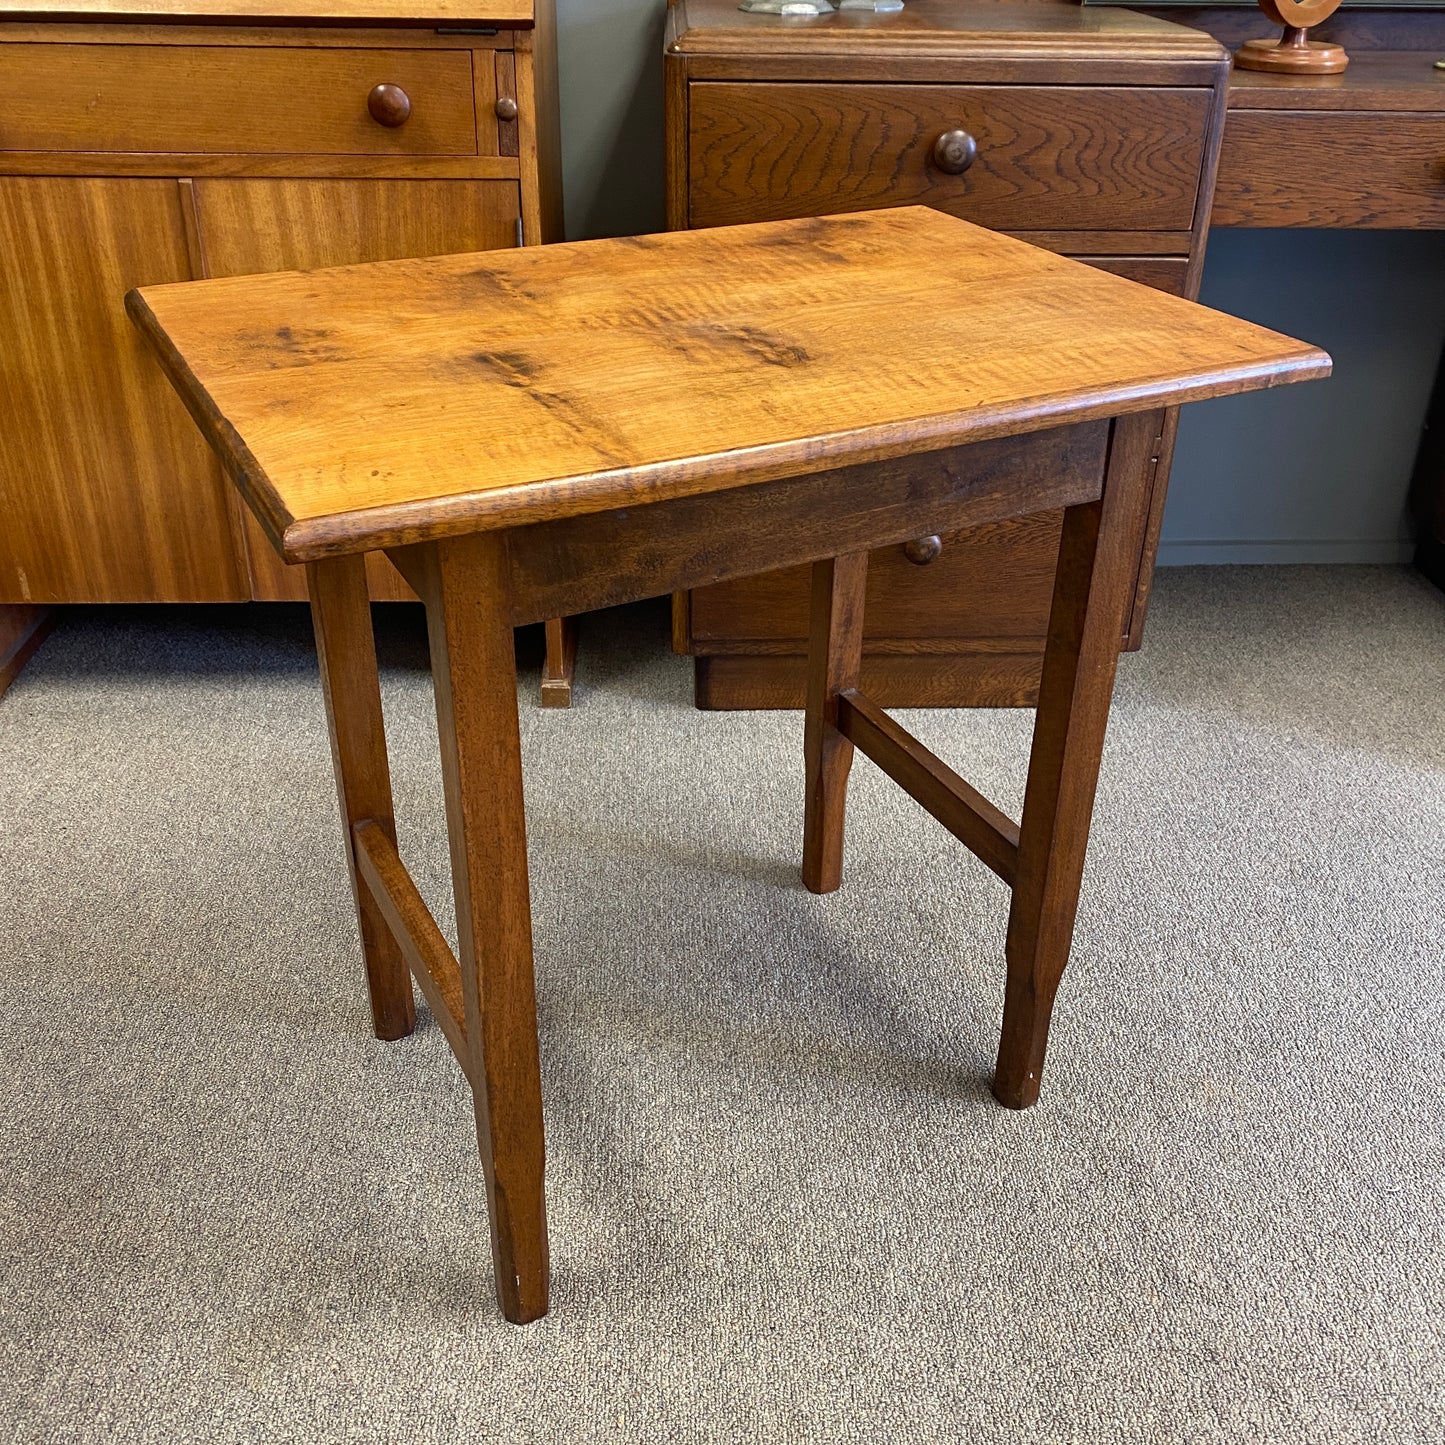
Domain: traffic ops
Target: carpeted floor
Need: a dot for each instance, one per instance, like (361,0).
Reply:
(783,1205)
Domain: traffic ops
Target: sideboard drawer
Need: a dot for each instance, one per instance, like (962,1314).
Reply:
(243,99)
(1324,168)
(1047,158)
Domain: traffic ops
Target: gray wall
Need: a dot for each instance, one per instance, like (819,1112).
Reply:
(1310,473)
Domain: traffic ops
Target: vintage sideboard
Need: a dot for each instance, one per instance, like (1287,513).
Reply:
(144,141)
(1110,135)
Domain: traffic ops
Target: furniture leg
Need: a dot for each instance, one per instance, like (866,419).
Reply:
(835,654)
(1092,588)
(23,627)
(560,662)
(475,672)
(346,651)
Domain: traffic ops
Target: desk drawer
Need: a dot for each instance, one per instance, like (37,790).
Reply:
(1322,168)
(224,98)
(1049,158)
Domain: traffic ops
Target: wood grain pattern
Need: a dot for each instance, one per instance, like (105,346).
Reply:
(1098,561)
(1323,168)
(1389,81)
(346,653)
(599,560)
(105,493)
(232,99)
(835,650)
(279,12)
(288,375)
(938,30)
(986,831)
(974,678)
(1049,157)
(474,670)
(256,225)
(422,944)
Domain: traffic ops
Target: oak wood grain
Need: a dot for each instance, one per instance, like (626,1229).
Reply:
(288,376)
(1048,157)
(232,99)
(254,225)
(1327,168)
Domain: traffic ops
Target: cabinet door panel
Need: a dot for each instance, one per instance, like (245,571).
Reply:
(107,492)
(294,225)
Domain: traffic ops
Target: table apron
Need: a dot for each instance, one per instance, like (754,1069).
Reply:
(577,564)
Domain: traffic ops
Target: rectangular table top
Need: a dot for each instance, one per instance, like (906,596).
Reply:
(394,402)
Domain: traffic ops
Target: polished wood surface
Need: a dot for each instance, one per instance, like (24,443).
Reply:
(351,687)
(831,114)
(1093,590)
(1364,149)
(235,99)
(287,374)
(935,30)
(1050,158)
(269,224)
(280,12)
(855,475)
(474,668)
(230,138)
(930,782)
(105,495)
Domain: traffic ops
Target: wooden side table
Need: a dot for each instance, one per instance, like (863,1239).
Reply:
(532,434)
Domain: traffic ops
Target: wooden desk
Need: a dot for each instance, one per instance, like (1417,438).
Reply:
(859,412)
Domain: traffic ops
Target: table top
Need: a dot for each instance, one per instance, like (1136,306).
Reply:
(400,401)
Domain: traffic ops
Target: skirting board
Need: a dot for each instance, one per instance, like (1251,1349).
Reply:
(1197,554)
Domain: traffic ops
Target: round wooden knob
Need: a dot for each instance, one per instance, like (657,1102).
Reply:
(389,105)
(954,152)
(922,550)
(506,108)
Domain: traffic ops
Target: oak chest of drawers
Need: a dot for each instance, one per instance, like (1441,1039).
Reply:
(1093,132)
(158,141)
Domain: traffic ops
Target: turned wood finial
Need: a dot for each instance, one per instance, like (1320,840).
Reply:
(1294,53)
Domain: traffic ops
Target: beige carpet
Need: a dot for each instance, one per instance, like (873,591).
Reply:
(783,1206)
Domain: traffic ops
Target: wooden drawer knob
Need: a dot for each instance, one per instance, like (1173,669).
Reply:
(506,108)
(389,105)
(923,550)
(954,152)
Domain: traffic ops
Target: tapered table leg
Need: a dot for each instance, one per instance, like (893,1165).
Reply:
(1093,588)
(475,673)
(346,650)
(835,654)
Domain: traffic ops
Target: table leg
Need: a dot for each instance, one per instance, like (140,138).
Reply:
(559,664)
(475,672)
(346,650)
(835,654)
(1093,587)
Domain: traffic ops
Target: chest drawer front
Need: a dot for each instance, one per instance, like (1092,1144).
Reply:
(1314,168)
(1047,158)
(257,99)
